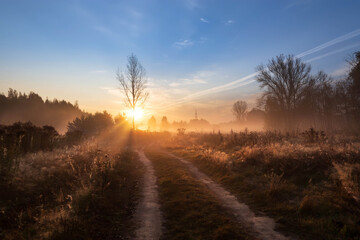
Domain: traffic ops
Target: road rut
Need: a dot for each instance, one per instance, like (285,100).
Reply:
(262,226)
(148,212)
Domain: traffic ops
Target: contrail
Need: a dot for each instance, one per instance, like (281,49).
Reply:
(250,78)
(330,43)
(333,52)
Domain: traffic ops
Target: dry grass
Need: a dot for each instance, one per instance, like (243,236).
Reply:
(190,210)
(71,193)
(310,188)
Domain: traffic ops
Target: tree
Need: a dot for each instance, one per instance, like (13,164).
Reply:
(92,124)
(152,124)
(287,82)
(354,73)
(133,84)
(239,109)
(164,124)
(255,116)
(354,77)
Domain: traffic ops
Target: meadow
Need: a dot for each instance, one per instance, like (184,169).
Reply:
(308,182)
(81,192)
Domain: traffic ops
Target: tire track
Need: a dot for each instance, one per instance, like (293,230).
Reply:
(148,212)
(262,226)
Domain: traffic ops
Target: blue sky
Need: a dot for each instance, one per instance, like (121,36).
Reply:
(72,49)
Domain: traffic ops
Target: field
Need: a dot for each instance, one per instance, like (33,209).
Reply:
(298,186)
(309,186)
(82,192)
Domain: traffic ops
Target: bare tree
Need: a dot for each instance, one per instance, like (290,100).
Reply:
(239,109)
(133,84)
(286,81)
(285,78)
(292,94)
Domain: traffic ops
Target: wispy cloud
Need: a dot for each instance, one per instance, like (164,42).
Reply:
(340,72)
(99,71)
(183,44)
(187,81)
(113,91)
(297,3)
(228,22)
(192,4)
(203,40)
(251,77)
(200,77)
(135,14)
(204,20)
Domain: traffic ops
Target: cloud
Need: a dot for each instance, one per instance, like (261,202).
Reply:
(340,72)
(196,78)
(135,14)
(203,40)
(297,3)
(204,20)
(228,22)
(192,4)
(183,44)
(187,81)
(99,71)
(113,91)
(251,77)
(103,30)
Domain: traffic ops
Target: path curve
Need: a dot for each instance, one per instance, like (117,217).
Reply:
(148,212)
(262,226)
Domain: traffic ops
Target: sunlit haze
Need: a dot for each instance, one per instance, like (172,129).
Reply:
(198,55)
(180,119)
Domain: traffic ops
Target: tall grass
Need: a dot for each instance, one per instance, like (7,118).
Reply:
(58,194)
(308,181)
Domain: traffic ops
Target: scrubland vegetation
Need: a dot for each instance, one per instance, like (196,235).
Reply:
(308,182)
(79,192)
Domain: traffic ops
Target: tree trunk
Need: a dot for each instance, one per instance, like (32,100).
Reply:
(133,118)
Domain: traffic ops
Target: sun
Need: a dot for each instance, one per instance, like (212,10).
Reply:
(138,113)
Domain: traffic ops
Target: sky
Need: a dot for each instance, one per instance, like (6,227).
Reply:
(198,54)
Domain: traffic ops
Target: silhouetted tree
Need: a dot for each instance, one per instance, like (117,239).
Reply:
(133,84)
(152,124)
(287,82)
(354,77)
(92,124)
(255,116)
(17,106)
(164,124)
(181,124)
(239,109)
(120,119)
(354,74)
(199,124)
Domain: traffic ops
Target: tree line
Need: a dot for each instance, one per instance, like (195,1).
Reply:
(17,106)
(294,98)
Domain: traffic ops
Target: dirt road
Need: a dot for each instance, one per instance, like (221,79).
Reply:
(148,212)
(150,218)
(262,226)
